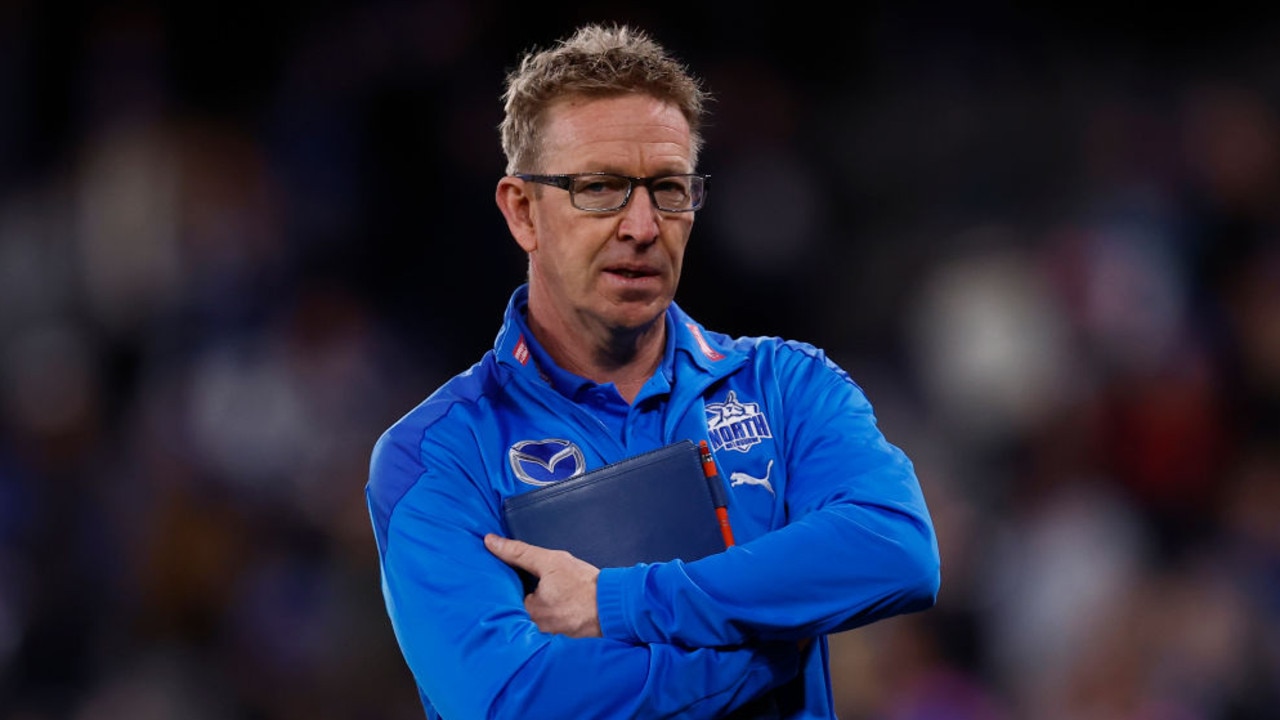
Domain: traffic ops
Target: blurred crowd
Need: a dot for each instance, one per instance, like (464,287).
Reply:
(238,240)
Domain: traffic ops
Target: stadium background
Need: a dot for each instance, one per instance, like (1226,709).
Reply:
(239,239)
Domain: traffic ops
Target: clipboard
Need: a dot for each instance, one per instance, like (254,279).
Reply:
(653,507)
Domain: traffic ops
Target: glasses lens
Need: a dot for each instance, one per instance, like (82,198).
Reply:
(599,192)
(678,192)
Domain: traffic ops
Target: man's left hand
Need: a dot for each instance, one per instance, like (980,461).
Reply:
(565,599)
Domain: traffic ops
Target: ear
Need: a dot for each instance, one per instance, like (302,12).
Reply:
(516,205)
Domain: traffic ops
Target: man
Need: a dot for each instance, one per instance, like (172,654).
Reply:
(595,363)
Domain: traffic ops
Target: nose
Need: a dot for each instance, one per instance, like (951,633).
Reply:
(640,217)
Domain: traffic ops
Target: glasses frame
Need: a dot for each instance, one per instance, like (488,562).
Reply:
(565,182)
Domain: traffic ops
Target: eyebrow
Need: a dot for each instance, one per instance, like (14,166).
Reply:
(659,173)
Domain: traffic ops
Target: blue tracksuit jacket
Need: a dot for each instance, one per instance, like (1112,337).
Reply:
(832,532)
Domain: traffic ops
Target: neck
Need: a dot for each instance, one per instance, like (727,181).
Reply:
(626,357)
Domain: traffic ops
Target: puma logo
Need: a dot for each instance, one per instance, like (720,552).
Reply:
(741,478)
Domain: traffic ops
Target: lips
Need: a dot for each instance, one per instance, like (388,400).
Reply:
(632,272)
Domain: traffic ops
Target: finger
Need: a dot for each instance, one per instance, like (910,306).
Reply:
(512,552)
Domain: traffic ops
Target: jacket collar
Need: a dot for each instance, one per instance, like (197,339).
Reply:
(688,345)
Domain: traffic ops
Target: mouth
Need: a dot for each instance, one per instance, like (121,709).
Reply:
(632,273)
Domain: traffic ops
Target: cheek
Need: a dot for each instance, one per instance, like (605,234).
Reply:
(552,234)
(676,247)
(563,254)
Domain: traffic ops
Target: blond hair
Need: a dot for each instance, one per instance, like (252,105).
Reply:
(596,61)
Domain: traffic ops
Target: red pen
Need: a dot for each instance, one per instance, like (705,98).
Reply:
(719,497)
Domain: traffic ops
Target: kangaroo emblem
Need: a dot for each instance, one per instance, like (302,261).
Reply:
(741,478)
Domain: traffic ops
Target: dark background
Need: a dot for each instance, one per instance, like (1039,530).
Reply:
(237,240)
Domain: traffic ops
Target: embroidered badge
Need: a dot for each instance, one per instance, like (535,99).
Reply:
(543,462)
(732,425)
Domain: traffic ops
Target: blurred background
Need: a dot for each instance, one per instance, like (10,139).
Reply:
(237,240)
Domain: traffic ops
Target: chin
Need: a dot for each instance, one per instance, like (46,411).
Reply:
(638,317)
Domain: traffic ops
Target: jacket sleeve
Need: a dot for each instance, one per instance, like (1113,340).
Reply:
(458,615)
(858,545)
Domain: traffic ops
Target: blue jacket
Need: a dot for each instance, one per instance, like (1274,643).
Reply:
(832,532)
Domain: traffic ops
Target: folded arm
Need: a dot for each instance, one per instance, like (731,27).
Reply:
(459,617)
(858,545)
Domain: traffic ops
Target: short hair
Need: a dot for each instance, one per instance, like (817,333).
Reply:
(597,61)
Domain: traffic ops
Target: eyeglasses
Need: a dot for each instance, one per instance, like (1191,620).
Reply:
(607,192)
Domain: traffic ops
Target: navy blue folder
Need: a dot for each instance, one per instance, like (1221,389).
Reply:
(652,507)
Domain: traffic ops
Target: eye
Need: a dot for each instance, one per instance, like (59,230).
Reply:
(673,192)
(674,185)
(601,185)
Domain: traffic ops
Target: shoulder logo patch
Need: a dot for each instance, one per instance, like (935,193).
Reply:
(543,462)
(734,425)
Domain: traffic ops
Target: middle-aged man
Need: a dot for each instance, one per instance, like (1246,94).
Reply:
(595,362)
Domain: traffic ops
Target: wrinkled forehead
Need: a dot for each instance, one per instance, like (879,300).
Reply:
(622,129)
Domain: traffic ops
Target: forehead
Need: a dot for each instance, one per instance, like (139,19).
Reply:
(616,133)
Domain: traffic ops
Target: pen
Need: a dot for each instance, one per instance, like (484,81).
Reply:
(719,497)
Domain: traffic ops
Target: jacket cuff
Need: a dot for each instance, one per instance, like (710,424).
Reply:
(613,605)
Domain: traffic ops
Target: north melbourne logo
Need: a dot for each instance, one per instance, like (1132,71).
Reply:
(736,426)
(543,462)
